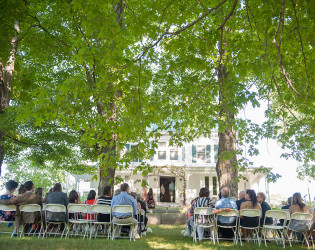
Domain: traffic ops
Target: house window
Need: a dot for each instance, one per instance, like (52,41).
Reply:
(215,185)
(201,153)
(174,153)
(207,182)
(134,150)
(216,149)
(162,150)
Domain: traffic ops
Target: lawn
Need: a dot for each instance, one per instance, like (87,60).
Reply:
(163,236)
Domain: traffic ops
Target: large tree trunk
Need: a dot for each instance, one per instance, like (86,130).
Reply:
(6,73)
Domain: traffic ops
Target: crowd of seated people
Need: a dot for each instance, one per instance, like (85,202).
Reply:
(247,200)
(27,195)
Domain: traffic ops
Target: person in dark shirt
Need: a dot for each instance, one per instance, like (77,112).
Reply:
(285,207)
(241,197)
(144,207)
(106,199)
(261,197)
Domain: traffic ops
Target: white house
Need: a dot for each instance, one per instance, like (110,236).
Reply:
(191,165)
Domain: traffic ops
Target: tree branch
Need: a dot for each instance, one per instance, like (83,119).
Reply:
(229,15)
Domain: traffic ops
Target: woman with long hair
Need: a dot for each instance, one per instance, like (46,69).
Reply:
(150,199)
(250,203)
(90,201)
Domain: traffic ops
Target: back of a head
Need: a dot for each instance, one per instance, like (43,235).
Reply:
(117,192)
(134,195)
(225,192)
(242,194)
(297,200)
(204,192)
(124,187)
(91,195)
(107,191)
(11,184)
(73,196)
(21,189)
(252,195)
(262,195)
(39,191)
(28,185)
(289,200)
(57,187)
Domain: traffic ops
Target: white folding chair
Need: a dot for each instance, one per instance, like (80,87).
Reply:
(303,219)
(142,220)
(123,209)
(32,208)
(77,223)
(252,213)
(54,208)
(208,216)
(95,225)
(8,208)
(275,228)
(233,227)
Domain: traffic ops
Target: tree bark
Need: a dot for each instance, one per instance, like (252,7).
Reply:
(6,73)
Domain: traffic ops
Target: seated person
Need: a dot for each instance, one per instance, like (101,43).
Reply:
(241,198)
(190,218)
(298,205)
(74,198)
(250,203)
(143,207)
(285,207)
(261,197)
(90,200)
(57,197)
(10,186)
(24,199)
(125,199)
(202,201)
(105,199)
(226,202)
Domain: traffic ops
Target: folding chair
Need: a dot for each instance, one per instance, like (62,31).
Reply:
(32,208)
(249,213)
(55,208)
(232,213)
(95,225)
(275,228)
(305,219)
(123,209)
(142,220)
(8,208)
(76,222)
(206,212)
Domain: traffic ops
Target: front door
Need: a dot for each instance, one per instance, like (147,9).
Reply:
(167,189)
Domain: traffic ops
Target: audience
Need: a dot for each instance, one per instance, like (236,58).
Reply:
(90,201)
(10,186)
(125,199)
(57,197)
(150,199)
(143,207)
(250,203)
(202,201)
(74,197)
(190,218)
(117,192)
(261,197)
(106,199)
(285,207)
(226,202)
(241,198)
(21,189)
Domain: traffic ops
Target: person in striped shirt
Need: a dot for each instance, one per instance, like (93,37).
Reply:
(105,199)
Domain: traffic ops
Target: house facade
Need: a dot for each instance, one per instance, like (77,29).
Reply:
(179,172)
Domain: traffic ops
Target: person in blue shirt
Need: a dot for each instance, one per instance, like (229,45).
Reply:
(226,202)
(125,199)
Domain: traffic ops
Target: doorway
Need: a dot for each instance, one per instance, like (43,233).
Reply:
(167,189)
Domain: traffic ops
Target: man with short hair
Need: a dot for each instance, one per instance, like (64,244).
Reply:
(224,203)
(241,198)
(125,199)
(171,187)
(24,199)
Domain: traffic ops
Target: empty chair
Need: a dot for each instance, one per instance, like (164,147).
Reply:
(55,214)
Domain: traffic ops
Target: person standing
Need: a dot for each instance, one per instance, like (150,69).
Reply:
(150,199)
(171,187)
(162,192)
(125,199)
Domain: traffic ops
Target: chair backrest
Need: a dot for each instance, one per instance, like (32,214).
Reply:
(122,209)
(287,212)
(232,213)
(30,208)
(276,214)
(55,208)
(301,216)
(8,208)
(77,208)
(250,212)
(104,209)
(202,211)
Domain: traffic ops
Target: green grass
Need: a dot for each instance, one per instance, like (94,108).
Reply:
(163,237)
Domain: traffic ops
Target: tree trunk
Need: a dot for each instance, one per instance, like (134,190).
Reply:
(6,72)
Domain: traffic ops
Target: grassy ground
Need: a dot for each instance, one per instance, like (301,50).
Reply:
(163,236)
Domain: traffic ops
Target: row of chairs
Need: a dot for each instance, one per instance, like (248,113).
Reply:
(76,225)
(276,231)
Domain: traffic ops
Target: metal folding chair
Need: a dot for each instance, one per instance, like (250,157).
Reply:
(54,208)
(206,212)
(232,213)
(95,225)
(275,229)
(304,219)
(8,208)
(76,224)
(32,208)
(123,209)
(249,213)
